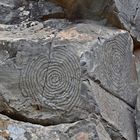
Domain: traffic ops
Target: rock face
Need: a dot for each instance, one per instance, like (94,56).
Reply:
(108,58)
(123,14)
(77,76)
(49,83)
(137,61)
(74,131)
(137,115)
(115,112)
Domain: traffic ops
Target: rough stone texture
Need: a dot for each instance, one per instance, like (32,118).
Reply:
(47,75)
(115,112)
(6,10)
(79,74)
(17,11)
(121,13)
(81,130)
(137,61)
(81,9)
(108,58)
(11,11)
(126,14)
(137,115)
(42,82)
(40,8)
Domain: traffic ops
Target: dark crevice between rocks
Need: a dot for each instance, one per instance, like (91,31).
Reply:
(136,45)
(53,16)
(18,117)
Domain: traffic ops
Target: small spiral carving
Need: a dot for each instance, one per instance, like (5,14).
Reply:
(53,80)
(116,63)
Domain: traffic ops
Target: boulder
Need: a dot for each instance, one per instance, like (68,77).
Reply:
(123,14)
(107,58)
(58,74)
(18,11)
(137,115)
(81,130)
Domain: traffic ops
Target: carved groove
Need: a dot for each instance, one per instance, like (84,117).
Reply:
(53,80)
(116,63)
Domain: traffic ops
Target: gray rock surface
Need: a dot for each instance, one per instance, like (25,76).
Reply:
(6,11)
(46,75)
(108,57)
(45,78)
(18,11)
(116,113)
(81,130)
(137,115)
(137,62)
(125,14)
(76,75)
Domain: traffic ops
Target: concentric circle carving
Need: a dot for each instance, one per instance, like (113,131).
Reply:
(53,80)
(116,62)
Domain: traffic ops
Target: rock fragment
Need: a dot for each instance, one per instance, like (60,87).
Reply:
(80,130)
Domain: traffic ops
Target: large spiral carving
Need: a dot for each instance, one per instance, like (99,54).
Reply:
(116,63)
(53,80)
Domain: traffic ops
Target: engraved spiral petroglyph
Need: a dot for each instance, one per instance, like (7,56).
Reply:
(116,62)
(53,79)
